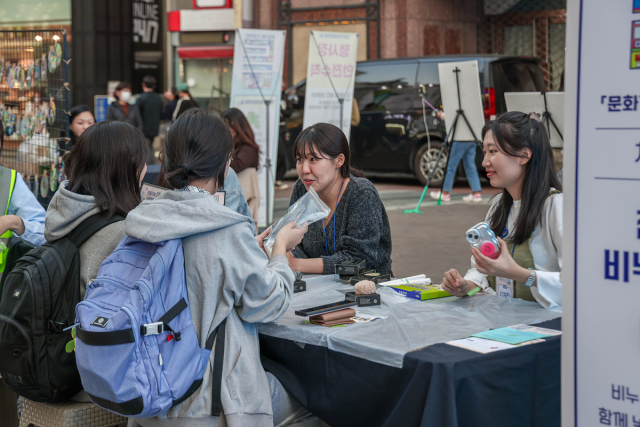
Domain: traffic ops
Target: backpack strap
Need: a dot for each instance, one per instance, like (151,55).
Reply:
(91,225)
(216,379)
(171,314)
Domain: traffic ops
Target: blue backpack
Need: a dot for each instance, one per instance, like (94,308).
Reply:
(137,351)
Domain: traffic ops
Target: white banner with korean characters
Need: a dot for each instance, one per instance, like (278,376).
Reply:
(330,78)
(258,60)
(601,234)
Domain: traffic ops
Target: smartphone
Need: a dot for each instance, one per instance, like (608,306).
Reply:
(312,311)
(482,237)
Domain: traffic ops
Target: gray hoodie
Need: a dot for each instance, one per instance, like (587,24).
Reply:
(228,276)
(66,211)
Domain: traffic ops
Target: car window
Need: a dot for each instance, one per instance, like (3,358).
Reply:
(515,76)
(389,74)
(386,87)
(428,73)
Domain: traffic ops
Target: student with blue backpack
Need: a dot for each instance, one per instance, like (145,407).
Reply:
(168,328)
(104,170)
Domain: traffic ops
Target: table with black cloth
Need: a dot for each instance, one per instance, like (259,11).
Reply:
(352,376)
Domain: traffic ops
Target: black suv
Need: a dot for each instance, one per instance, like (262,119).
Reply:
(390,138)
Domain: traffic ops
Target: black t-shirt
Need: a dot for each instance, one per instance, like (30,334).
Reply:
(150,106)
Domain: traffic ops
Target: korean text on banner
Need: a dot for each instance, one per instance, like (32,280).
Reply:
(258,59)
(601,272)
(330,79)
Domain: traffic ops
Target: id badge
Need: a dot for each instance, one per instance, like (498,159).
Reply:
(504,287)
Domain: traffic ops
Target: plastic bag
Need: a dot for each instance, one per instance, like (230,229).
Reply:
(306,210)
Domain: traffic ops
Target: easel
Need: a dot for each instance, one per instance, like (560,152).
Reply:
(267,104)
(447,144)
(546,116)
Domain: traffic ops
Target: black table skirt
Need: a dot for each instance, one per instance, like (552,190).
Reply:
(439,386)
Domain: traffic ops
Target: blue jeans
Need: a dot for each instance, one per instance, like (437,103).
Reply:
(465,151)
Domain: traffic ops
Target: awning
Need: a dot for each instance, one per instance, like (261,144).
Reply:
(201,20)
(205,52)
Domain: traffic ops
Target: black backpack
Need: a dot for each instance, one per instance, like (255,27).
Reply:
(39,297)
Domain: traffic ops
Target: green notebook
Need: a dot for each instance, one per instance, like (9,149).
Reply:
(420,292)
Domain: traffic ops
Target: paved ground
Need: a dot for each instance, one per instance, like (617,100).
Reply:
(428,243)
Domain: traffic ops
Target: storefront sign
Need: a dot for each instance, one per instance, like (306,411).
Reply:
(146,24)
(330,79)
(257,78)
(601,271)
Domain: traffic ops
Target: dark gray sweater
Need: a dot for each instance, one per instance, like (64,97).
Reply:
(362,229)
(115,112)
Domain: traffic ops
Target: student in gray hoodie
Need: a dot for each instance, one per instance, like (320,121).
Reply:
(105,171)
(228,276)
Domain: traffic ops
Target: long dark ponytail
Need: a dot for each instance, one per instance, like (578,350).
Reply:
(330,141)
(513,132)
(198,146)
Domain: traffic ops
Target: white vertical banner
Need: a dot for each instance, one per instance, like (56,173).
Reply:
(330,78)
(258,59)
(601,242)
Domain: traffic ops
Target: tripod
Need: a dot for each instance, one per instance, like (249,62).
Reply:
(447,144)
(267,103)
(546,117)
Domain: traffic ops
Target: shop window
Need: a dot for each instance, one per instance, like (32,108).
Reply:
(210,82)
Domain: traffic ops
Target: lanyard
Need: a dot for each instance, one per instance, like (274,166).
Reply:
(505,232)
(326,242)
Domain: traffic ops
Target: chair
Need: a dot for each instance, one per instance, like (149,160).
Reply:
(249,182)
(68,414)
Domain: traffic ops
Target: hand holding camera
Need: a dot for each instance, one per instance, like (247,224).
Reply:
(481,237)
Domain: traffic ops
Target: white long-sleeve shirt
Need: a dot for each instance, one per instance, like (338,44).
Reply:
(545,246)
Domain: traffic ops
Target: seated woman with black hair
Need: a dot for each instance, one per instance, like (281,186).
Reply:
(357,226)
(527,215)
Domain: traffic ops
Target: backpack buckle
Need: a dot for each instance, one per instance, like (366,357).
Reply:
(152,328)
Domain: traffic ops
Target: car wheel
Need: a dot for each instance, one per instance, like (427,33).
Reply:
(425,161)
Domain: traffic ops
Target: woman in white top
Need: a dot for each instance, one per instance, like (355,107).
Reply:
(527,215)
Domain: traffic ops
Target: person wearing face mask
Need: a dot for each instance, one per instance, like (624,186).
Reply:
(121,111)
(527,215)
(80,118)
(357,226)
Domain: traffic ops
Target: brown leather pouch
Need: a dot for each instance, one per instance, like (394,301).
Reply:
(338,317)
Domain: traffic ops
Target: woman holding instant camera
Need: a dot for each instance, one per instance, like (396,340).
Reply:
(526,217)
(357,226)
